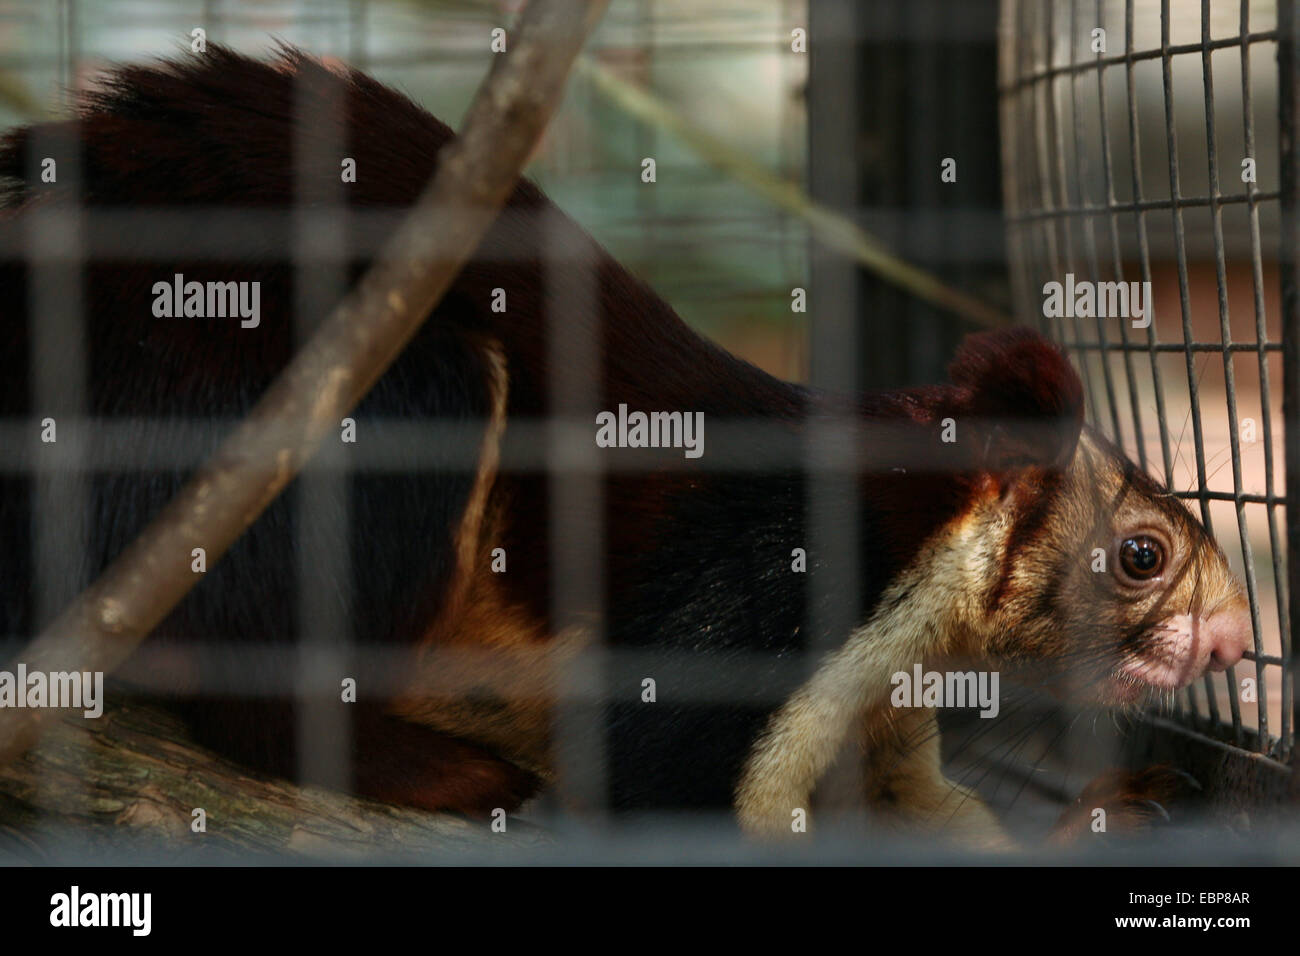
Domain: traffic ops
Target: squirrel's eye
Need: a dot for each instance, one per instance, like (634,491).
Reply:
(1141,557)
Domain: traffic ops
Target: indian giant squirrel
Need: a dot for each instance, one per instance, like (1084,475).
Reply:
(983,547)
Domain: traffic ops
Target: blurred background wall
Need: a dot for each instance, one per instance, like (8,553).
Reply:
(723,257)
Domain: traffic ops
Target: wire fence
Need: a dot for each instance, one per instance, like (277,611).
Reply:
(1143,142)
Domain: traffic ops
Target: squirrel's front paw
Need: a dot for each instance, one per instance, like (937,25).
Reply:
(1124,802)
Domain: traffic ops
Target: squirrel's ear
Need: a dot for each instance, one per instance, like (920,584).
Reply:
(1022,396)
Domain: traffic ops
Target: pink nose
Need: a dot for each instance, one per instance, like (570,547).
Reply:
(1226,635)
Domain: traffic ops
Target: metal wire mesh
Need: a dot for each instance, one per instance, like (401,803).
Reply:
(1080,199)
(1121,164)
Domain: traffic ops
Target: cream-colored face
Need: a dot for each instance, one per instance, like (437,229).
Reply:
(1110,590)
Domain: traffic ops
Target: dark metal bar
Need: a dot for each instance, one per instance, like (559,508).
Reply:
(1090,236)
(322,517)
(1057,144)
(1200,493)
(1180,347)
(1040,135)
(1184,294)
(1288,101)
(1164,52)
(1116,263)
(1266,405)
(1265,658)
(1144,249)
(1229,379)
(1147,205)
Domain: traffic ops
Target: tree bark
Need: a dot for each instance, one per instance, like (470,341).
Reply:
(129,783)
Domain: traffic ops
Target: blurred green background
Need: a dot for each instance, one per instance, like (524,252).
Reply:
(723,257)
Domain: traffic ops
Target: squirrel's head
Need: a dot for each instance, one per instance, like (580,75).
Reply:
(1095,578)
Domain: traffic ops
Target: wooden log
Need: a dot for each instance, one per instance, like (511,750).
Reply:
(130,781)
